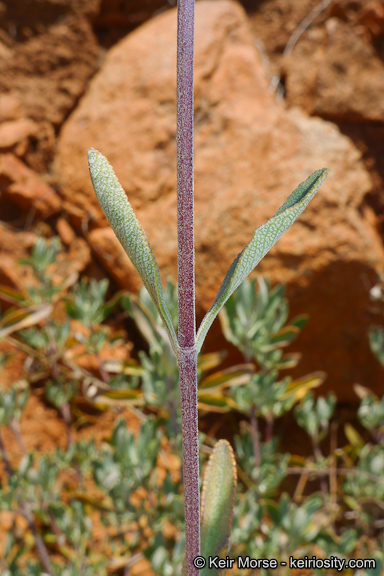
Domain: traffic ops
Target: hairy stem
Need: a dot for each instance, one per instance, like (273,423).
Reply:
(184,140)
(189,420)
(186,281)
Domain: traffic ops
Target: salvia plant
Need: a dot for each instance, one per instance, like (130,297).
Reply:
(187,343)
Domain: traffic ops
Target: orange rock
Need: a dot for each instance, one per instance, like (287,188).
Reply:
(10,108)
(251,152)
(25,188)
(65,231)
(335,73)
(15,245)
(109,251)
(15,131)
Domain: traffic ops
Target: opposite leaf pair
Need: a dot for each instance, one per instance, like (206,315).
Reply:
(128,230)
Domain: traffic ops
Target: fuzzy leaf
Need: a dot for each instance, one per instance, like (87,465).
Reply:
(218,501)
(128,230)
(262,241)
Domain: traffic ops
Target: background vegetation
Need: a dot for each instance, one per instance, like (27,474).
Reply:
(111,505)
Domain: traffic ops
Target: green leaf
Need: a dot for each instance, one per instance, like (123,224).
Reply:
(128,230)
(353,436)
(288,361)
(299,388)
(218,501)
(23,318)
(284,336)
(263,239)
(233,376)
(300,321)
(210,360)
(215,403)
(14,296)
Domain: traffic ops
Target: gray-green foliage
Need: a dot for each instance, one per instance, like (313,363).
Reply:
(43,255)
(133,490)
(295,524)
(122,467)
(123,220)
(272,469)
(12,403)
(371,413)
(255,321)
(368,482)
(120,215)
(274,528)
(262,241)
(87,303)
(314,414)
(218,501)
(128,462)
(163,561)
(376,341)
(160,375)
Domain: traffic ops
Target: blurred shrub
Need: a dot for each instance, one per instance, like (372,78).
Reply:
(129,488)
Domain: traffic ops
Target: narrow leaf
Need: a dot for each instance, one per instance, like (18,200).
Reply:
(288,361)
(284,336)
(299,388)
(10,295)
(24,318)
(215,403)
(235,375)
(218,501)
(210,360)
(300,321)
(363,391)
(263,239)
(128,230)
(129,367)
(353,436)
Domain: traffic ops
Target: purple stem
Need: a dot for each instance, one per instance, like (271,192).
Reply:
(186,281)
(189,424)
(184,140)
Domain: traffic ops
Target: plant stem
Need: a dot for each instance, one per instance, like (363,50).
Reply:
(26,512)
(269,428)
(184,140)
(255,435)
(186,281)
(189,423)
(318,458)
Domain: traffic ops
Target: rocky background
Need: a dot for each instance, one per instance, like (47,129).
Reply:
(282,88)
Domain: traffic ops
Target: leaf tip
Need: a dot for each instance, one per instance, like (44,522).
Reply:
(93,155)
